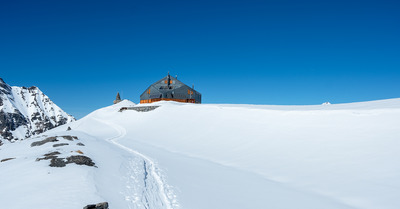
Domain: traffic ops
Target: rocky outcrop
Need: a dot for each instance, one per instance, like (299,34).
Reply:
(25,112)
(102,205)
(44,141)
(9,122)
(7,159)
(49,156)
(139,109)
(55,160)
(54,139)
(70,138)
(62,162)
(80,160)
(61,144)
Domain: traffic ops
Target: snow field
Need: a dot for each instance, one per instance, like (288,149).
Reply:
(344,153)
(218,156)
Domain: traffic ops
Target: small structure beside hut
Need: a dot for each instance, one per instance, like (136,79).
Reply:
(117,99)
(170,89)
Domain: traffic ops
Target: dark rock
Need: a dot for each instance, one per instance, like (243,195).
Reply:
(59,145)
(102,205)
(7,159)
(69,128)
(70,138)
(62,162)
(61,121)
(57,162)
(44,141)
(52,153)
(9,122)
(44,123)
(90,207)
(32,88)
(35,116)
(80,144)
(4,88)
(80,160)
(139,109)
(48,156)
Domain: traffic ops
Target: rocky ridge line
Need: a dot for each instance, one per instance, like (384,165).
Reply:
(25,112)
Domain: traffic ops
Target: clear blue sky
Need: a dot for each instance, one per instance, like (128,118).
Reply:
(81,53)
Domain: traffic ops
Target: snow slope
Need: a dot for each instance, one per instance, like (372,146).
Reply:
(219,156)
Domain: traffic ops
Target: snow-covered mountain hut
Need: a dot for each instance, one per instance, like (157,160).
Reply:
(170,89)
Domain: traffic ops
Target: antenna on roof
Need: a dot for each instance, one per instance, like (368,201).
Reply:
(176,76)
(168,79)
(192,86)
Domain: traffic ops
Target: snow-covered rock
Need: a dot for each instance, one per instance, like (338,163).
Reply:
(25,112)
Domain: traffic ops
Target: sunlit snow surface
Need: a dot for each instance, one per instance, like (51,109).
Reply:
(217,156)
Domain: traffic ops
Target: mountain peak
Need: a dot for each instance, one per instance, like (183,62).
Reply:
(27,111)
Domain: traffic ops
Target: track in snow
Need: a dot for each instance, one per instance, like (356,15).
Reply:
(155,192)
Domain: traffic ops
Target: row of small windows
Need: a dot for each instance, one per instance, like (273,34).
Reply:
(188,91)
(153,96)
(166,87)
